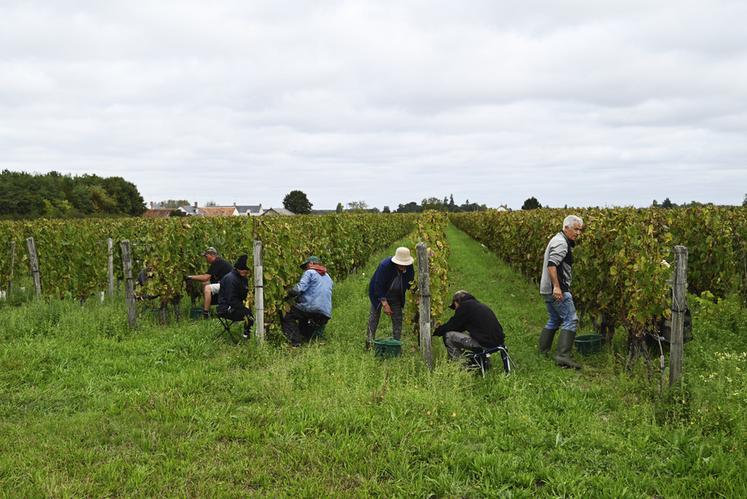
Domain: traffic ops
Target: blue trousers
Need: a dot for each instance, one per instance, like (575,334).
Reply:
(561,314)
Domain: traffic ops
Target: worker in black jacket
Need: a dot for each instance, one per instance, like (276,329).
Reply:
(473,327)
(234,287)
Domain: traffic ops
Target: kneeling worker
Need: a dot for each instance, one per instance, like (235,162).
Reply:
(313,300)
(233,290)
(473,327)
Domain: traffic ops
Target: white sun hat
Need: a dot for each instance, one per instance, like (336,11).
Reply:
(402,256)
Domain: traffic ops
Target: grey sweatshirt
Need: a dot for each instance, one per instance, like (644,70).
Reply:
(559,254)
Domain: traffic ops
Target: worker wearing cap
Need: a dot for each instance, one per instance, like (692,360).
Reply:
(313,295)
(217,269)
(473,327)
(387,290)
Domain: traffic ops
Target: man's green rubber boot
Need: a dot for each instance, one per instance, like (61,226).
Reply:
(565,345)
(545,341)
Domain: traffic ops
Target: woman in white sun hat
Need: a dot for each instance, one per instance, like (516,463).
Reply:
(387,291)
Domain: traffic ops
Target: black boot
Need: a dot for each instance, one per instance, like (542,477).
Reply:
(545,341)
(565,345)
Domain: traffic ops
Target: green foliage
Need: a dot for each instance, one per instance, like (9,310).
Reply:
(173,203)
(297,202)
(411,207)
(358,206)
(531,204)
(431,230)
(343,242)
(436,204)
(53,195)
(73,255)
(715,238)
(623,258)
(91,408)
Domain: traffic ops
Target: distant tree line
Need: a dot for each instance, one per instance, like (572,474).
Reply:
(172,204)
(692,204)
(53,195)
(445,204)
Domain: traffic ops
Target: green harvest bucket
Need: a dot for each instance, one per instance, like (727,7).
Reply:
(387,348)
(195,313)
(589,344)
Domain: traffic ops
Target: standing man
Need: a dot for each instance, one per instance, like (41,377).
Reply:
(217,269)
(555,288)
(233,290)
(386,291)
(473,327)
(313,300)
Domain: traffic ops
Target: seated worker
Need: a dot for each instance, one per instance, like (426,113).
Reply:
(387,290)
(473,327)
(233,290)
(313,300)
(217,269)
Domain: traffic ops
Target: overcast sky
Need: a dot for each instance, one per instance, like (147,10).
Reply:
(574,102)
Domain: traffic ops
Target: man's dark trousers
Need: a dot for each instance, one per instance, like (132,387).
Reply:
(291,323)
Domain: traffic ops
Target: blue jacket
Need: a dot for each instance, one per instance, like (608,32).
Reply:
(382,280)
(315,293)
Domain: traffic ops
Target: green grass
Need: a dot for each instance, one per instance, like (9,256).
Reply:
(89,408)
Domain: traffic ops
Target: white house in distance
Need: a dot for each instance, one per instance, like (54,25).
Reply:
(235,210)
(277,212)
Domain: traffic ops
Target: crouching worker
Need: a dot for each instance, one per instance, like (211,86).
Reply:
(234,287)
(473,327)
(313,304)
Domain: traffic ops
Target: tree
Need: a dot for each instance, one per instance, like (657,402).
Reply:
(386,210)
(297,202)
(744,203)
(666,203)
(467,206)
(531,204)
(56,195)
(173,203)
(211,204)
(434,203)
(357,206)
(339,208)
(411,207)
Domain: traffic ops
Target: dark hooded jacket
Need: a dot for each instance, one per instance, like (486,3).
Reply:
(477,319)
(233,291)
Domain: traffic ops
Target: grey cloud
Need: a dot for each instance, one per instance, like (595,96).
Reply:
(383,101)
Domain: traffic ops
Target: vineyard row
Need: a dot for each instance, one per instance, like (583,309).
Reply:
(73,254)
(624,258)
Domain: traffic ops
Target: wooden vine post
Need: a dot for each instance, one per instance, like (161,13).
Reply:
(424,304)
(259,294)
(129,285)
(110,267)
(12,266)
(34,264)
(679,306)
